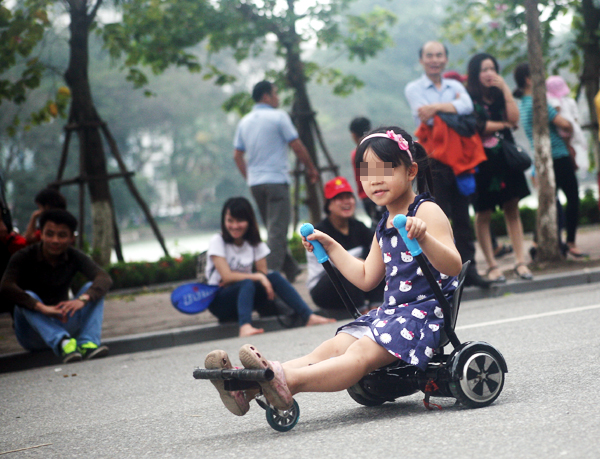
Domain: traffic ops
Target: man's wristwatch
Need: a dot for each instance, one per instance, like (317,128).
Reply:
(85,298)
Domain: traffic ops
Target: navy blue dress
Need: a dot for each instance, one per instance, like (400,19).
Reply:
(408,322)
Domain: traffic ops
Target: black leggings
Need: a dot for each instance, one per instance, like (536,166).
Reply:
(566,180)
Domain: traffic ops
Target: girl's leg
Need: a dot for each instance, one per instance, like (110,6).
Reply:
(514,227)
(292,298)
(236,301)
(482,231)
(331,348)
(341,372)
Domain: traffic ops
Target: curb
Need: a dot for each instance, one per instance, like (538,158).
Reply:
(190,335)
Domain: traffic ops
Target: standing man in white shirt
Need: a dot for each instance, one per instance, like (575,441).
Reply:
(260,152)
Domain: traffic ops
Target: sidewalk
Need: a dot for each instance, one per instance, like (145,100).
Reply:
(140,320)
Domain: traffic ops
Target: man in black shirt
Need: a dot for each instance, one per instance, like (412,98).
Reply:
(37,282)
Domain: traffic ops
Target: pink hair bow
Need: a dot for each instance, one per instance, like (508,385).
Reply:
(401,141)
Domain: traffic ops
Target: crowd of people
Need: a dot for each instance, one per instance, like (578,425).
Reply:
(455,159)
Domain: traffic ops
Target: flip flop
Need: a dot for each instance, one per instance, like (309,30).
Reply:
(275,391)
(235,401)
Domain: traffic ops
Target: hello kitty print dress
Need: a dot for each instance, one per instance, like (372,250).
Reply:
(408,323)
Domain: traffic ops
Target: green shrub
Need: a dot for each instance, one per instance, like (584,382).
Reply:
(588,209)
(297,249)
(143,273)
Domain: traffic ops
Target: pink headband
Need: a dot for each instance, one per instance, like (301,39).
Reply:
(401,141)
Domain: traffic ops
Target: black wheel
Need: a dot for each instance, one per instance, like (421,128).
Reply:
(479,377)
(359,395)
(283,421)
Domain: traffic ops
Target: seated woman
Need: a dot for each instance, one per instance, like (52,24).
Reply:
(353,236)
(236,260)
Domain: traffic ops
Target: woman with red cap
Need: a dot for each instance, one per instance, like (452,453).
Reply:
(354,236)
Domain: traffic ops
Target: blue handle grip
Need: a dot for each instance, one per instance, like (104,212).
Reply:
(412,244)
(306,230)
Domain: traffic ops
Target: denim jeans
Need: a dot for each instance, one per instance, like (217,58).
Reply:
(240,299)
(36,331)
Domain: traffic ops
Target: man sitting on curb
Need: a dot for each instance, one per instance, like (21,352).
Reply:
(37,281)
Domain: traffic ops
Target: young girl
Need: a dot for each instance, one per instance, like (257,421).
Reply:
(231,256)
(407,325)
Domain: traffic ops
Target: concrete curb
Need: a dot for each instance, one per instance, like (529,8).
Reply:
(190,335)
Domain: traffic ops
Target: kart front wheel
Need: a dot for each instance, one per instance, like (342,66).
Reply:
(283,421)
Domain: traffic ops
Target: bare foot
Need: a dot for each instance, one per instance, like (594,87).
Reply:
(249,330)
(315,319)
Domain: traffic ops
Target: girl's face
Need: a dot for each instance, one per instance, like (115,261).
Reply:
(236,228)
(383,183)
(487,73)
(343,205)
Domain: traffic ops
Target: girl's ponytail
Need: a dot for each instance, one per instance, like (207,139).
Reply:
(424,177)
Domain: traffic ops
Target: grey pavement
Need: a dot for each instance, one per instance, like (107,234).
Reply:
(144,319)
(147,404)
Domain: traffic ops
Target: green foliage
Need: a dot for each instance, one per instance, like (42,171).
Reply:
(296,248)
(139,274)
(589,212)
(499,28)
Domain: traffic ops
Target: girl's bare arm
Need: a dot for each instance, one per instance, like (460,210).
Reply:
(436,238)
(229,277)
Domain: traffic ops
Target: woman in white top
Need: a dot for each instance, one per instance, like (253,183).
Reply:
(236,260)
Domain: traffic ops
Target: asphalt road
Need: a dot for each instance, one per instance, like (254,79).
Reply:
(148,404)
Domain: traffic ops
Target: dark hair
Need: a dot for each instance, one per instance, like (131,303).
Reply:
(51,198)
(360,125)
(520,74)
(474,87)
(240,209)
(59,217)
(389,152)
(421,49)
(261,88)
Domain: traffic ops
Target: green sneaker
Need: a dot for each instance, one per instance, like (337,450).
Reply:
(69,352)
(91,350)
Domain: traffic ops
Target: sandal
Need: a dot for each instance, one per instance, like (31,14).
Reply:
(526,275)
(275,391)
(497,280)
(235,401)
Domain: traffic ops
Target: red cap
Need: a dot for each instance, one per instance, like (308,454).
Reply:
(336,186)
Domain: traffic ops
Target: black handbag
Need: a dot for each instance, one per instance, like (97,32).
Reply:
(516,157)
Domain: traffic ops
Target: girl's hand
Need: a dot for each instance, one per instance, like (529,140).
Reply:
(319,236)
(416,228)
(499,82)
(266,283)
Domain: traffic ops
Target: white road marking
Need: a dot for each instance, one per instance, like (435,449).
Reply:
(530,316)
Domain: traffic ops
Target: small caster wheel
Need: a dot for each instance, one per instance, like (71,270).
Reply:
(283,421)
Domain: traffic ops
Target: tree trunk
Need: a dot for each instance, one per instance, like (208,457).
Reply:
(590,78)
(302,112)
(547,231)
(84,115)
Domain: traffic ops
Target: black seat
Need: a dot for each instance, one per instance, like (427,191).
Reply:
(455,305)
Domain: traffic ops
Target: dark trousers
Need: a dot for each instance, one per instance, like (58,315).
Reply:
(326,296)
(456,208)
(566,180)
